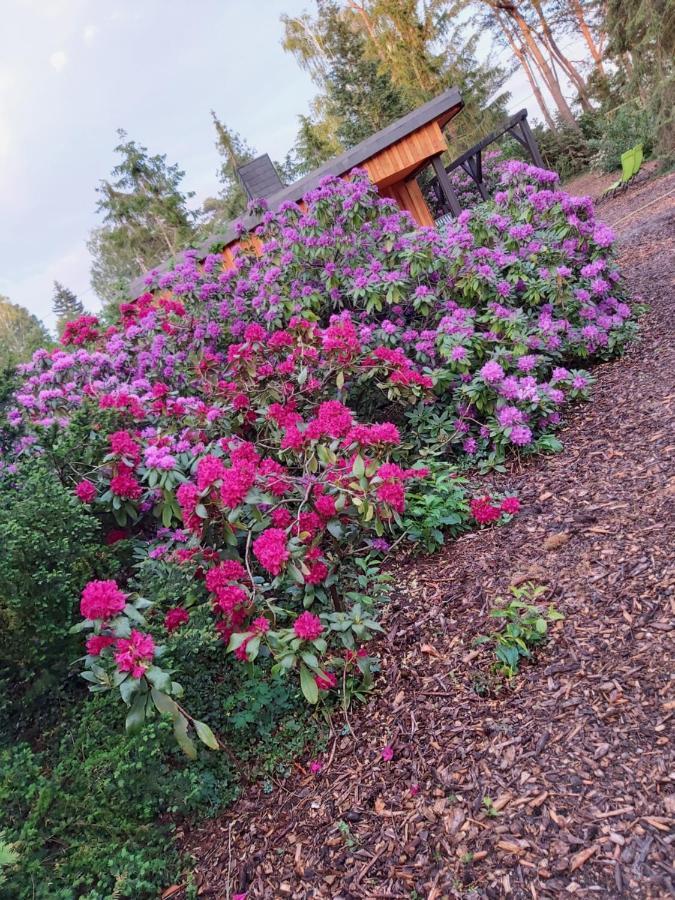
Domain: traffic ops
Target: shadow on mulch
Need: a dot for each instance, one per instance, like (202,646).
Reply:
(575,754)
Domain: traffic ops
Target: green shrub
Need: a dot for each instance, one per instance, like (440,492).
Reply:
(438,509)
(89,817)
(50,546)
(618,132)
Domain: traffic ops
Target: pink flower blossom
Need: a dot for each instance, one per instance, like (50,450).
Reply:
(510,505)
(483,510)
(175,618)
(326,682)
(271,551)
(98,642)
(315,767)
(387,753)
(308,627)
(102,600)
(85,491)
(134,654)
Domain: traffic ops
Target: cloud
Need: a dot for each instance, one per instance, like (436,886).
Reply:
(58,60)
(89,32)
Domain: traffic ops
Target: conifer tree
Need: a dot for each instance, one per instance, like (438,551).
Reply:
(21,334)
(231,200)
(65,306)
(146,219)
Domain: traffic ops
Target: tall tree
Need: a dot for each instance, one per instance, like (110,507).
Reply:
(641,38)
(21,334)
(374,60)
(316,142)
(231,200)
(146,219)
(65,306)
(357,94)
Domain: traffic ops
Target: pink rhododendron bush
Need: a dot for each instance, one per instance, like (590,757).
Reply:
(255,433)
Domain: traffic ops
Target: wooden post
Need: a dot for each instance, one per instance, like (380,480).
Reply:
(445,185)
(532,145)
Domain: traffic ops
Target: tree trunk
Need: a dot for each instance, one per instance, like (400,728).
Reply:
(538,57)
(566,63)
(584,28)
(521,56)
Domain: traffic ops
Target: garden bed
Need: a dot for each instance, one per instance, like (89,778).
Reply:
(573,756)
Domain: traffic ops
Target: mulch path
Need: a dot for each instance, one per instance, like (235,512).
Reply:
(575,754)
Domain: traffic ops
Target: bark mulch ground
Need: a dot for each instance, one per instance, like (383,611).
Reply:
(574,755)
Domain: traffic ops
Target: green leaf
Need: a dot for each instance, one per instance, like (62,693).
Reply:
(134,614)
(308,685)
(359,467)
(164,703)
(236,640)
(128,688)
(136,715)
(205,735)
(159,678)
(180,730)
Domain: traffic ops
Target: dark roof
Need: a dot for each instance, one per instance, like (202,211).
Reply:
(439,109)
(259,178)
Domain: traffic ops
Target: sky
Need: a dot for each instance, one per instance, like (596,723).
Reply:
(74,71)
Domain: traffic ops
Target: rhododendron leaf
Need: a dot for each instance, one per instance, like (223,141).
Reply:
(128,688)
(120,627)
(81,626)
(253,648)
(120,516)
(340,380)
(205,735)
(320,644)
(136,715)
(201,511)
(167,515)
(159,678)
(237,639)
(164,703)
(134,614)
(359,466)
(142,603)
(310,659)
(295,573)
(308,685)
(180,727)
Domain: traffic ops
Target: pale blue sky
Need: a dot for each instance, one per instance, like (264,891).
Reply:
(73,71)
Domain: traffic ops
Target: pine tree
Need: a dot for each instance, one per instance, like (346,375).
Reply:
(146,219)
(21,334)
(357,96)
(360,93)
(65,306)
(231,200)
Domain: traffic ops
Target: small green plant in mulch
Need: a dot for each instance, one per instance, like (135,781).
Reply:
(525,627)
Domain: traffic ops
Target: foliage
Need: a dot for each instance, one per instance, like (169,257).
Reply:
(232,199)
(374,61)
(436,508)
(618,132)
(65,306)
(21,334)
(87,818)
(49,546)
(525,627)
(145,219)
(568,149)
(642,44)
(231,444)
